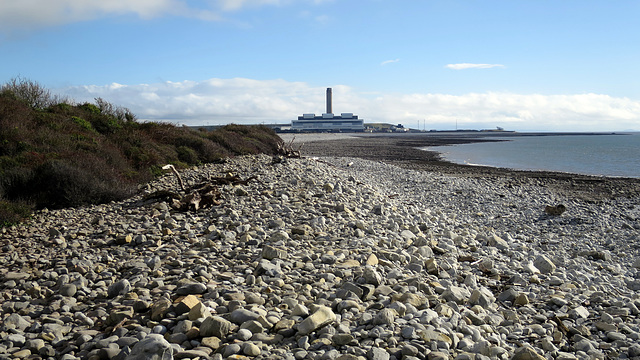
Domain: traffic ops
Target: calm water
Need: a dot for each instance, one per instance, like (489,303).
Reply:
(608,155)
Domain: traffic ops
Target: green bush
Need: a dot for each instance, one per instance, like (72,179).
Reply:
(82,122)
(90,108)
(62,155)
(187,155)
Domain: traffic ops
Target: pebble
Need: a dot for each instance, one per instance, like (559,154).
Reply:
(331,258)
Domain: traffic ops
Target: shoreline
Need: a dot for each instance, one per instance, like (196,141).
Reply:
(332,258)
(406,151)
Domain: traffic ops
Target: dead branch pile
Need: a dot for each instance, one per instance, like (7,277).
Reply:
(200,196)
(287,149)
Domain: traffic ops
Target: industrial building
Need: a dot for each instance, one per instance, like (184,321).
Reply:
(328,122)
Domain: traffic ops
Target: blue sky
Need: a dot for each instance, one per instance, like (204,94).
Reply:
(522,65)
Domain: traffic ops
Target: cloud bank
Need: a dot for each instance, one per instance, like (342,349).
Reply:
(248,101)
(33,14)
(465,66)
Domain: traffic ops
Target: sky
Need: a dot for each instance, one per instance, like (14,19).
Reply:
(526,65)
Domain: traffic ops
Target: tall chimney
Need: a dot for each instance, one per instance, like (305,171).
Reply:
(329,110)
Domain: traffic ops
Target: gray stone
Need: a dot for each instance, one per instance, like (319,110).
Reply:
(270,252)
(192,289)
(152,347)
(378,354)
(385,317)
(526,353)
(68,290)
(215,326)
(579,312)
(119,288)
(15,321)
(239,316)
(371,276)
(543,264)
(321,317)
(458,295)
(251,349)
(482,297)
(231,349)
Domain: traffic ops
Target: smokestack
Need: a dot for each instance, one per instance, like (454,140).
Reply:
(329,110)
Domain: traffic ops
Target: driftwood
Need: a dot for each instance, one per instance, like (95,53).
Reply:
(172,168)
(287,149)
(200,196)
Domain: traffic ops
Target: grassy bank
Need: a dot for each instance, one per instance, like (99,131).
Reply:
(56,153)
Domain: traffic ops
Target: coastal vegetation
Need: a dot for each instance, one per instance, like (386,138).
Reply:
(57,153)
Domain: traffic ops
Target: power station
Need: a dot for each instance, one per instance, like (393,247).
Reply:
(328,122)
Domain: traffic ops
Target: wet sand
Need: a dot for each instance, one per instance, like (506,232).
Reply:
(404,150)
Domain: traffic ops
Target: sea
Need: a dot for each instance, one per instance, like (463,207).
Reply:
(612,155)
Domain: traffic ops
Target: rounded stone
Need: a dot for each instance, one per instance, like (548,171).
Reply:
(68,290)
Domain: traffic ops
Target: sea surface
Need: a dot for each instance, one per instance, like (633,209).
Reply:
(616,155)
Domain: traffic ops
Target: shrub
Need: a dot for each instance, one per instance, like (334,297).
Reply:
(90,108)
(32,93)
(187,155)
(11,213)
(58,154)
(60,183)
(82,122)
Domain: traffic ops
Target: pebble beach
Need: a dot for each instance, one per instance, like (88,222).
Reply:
(333,258)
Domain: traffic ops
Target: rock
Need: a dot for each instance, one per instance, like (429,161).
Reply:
(457,294)
(68,290)
(526,353)
(543,264)
(186,304)
(152,347)
(193,288)
(211,342)
(521,300)
(215,326)
(251,349)
(371,276)
(385,317)
(482,297)
(378,354)
(159,309)
(407,235)
(321,317)
(15,321)
(270,253)
(498,242)
(119,288)
(579,312)
(199,311)
(240,316)
(391,264)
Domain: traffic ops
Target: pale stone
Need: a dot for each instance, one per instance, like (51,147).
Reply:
(545,265)
(526,353)
(321,317)
(152,347)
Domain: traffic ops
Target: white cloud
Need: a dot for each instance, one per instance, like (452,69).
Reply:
(240,100)
(465,66)
(33,14)
(389,62)
(232,5)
